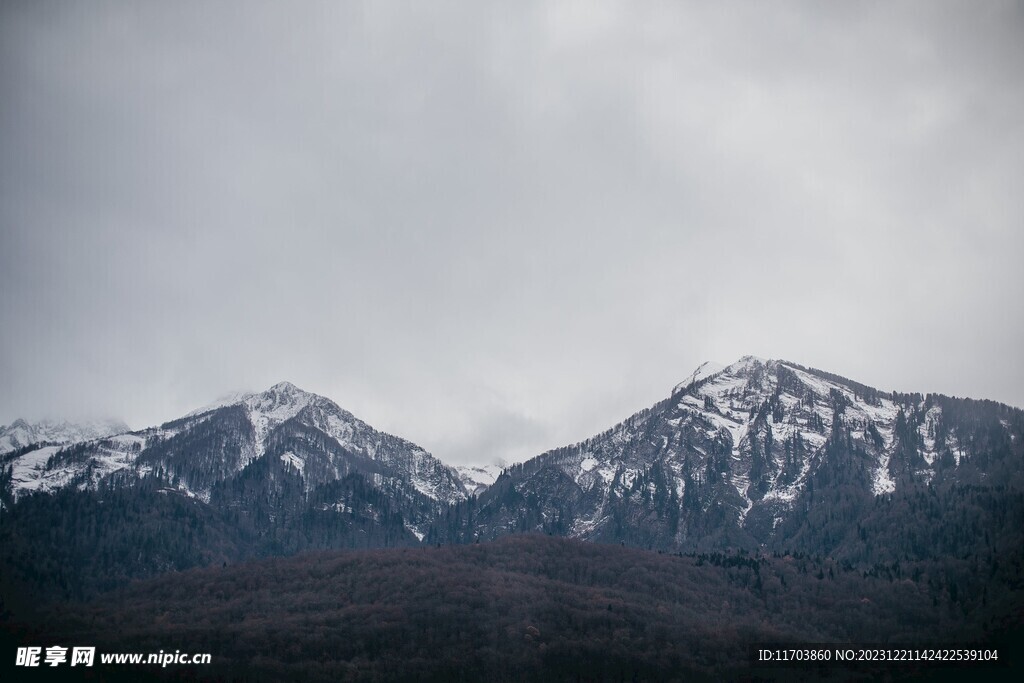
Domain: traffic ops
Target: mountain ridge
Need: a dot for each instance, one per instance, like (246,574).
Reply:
(264,412)
(735,453)
(758,455)
(21,433)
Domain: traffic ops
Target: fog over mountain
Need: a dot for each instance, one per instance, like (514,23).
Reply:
(492,228)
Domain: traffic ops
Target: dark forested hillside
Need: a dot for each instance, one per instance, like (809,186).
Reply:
(75,544)
(527,607)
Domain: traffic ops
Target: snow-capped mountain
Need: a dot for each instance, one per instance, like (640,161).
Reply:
(746,454)
(477,478)
(306,434)
(21,433)
(759,454)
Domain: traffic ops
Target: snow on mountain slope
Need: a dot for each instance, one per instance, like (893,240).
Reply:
(269,409)
(740,442)
(218,441)
(29,471)
(478,477)
(53,467)
(704,370)
(21,433)
(284,401)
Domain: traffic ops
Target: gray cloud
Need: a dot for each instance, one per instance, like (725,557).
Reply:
(496,227)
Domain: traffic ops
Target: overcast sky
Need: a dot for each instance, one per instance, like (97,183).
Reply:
(497,229)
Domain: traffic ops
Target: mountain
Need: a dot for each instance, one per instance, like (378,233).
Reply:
(21,433)
(771,454)
(759,455)
(310,435)
(476,478)
(784,503)
(268,473)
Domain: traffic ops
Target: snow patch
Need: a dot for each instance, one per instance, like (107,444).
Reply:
(21,433)
(295,461)
(607,474)
(30,469)
(478,478)
(703,371)
(584,527)
(883,482)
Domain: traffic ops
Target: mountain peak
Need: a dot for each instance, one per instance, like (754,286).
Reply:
(746,450)
(279,394)
(703,371)
(285,388)
(710,368)
(747,362)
